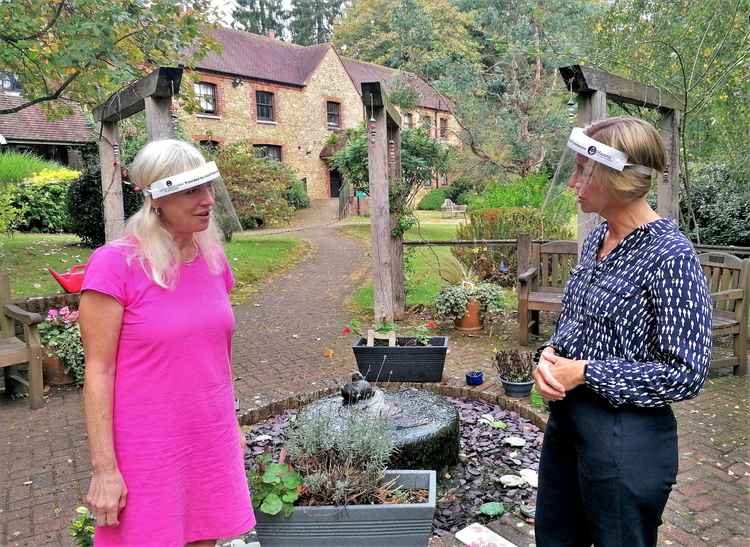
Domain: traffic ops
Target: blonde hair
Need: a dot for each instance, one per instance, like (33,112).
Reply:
(153,245)
(643,145)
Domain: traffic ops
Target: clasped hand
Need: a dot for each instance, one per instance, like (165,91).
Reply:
(555,375)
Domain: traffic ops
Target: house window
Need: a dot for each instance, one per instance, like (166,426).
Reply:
(443,128)
(409,120)
(9,83)
(264,104)
(268,151)
(206,95)
(333,111)
(210,145)
(426,122)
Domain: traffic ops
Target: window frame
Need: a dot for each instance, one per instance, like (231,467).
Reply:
(330,125)
(409,120)
(443,128)
(201,96)
(261,151)
(271,106)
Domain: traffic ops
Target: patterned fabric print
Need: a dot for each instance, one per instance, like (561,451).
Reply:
(641,317)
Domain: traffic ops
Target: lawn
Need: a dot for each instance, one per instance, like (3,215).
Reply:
(424,281)
(26,258)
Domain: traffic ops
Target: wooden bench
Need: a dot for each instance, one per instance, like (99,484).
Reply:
(729,283)
(16,351)
(543,270)
(452,209)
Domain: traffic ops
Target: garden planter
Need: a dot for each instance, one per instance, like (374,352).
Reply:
(54,372)
(471,322)
(404,525)
(402,363)
(517,389)
(474,378)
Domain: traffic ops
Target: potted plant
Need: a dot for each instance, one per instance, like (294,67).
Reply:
(514,369)
(335,488)
(466,300)
(417,357)
(61,335)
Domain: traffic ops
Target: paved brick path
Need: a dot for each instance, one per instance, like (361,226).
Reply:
(278,351)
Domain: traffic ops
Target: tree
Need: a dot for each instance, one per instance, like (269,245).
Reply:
(83,50)
(260,16)
(311,21)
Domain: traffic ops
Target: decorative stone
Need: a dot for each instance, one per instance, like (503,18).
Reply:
(476,534)
(530,476)
(512,481)
(514,441)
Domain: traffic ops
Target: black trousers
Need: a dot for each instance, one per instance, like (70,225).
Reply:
(605,473)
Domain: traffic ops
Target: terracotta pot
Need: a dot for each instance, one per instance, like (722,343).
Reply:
(470,322)
(54,372)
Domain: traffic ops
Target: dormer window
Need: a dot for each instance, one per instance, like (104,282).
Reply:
(9,83)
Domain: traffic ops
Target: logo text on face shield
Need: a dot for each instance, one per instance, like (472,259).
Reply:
(169,183)
(592,150)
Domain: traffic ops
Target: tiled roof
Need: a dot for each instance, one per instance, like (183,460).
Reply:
(31,124)
(369,72)
(259,57)
(255,56)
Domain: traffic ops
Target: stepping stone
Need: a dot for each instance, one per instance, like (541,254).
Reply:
(530,476)
(476,534)
(514,441)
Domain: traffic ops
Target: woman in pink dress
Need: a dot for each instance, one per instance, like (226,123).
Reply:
(156,322)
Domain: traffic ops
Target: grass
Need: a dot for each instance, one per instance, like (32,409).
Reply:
(26,258)
(15,167)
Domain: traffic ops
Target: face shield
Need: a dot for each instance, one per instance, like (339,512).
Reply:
(575,169)
(208,173)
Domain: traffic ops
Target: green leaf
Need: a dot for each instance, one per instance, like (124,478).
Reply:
(271,505)
(291,480)
(290,497)
(492,509)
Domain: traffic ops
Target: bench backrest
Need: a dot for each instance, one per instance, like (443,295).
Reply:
(727,278)
(7,329)
(555,260)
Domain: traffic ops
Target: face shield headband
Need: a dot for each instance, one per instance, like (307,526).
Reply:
(183,181)
(592,149)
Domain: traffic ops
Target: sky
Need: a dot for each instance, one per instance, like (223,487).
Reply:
(226,7)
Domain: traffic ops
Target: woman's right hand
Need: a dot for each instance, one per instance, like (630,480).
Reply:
(546,383)
(107,496)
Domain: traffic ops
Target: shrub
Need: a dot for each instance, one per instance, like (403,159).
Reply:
(85,208)
(258,187)
(16,166)
(500,263)
(721,202)
(296,196)
(344,462)
(433,200)
(451,301)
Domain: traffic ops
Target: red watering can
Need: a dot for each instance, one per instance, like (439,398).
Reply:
(72,280)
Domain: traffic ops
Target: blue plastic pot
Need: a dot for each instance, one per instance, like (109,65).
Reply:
(474,378)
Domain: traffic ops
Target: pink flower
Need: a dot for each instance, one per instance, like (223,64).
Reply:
(52,313)
(431,325)
(72,316)
(346,331)
(64,311)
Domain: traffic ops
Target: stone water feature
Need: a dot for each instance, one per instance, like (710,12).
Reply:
(425,425)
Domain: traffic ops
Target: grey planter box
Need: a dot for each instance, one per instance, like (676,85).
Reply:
(402,363)
(402,525)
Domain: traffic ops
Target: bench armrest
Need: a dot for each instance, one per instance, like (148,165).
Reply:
(527,276)
(22,316)
(731,294)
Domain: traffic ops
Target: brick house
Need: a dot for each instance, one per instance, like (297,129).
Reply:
(29,130)
(288,99)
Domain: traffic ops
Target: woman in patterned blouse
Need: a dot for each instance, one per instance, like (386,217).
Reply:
(634,336)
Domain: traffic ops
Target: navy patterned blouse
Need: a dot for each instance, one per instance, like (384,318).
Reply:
(641,317)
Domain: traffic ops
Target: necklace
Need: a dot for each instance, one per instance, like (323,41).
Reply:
(195,255)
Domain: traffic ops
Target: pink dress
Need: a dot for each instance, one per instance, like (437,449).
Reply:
(175,432)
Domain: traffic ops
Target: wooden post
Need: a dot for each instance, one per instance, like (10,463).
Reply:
(592,107)
(380,215)
(668,183)
(158,118)
(114,214)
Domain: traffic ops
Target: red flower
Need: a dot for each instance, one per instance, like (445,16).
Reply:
(431,325)
(346,331)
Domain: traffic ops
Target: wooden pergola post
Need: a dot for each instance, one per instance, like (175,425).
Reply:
(594,88)
(383,140)
(154,94)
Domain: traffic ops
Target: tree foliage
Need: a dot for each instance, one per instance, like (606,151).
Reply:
(311,21)
(84,50)
(259,16)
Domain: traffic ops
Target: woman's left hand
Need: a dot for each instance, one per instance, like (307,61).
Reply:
(243,441)
(569,372)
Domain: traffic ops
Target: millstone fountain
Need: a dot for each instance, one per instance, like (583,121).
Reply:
(425,425)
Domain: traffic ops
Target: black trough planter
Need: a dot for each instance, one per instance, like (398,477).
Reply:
(402,363)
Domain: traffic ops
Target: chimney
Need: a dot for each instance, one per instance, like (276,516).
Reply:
(271,34)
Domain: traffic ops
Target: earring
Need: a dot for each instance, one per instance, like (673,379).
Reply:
(157,211)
